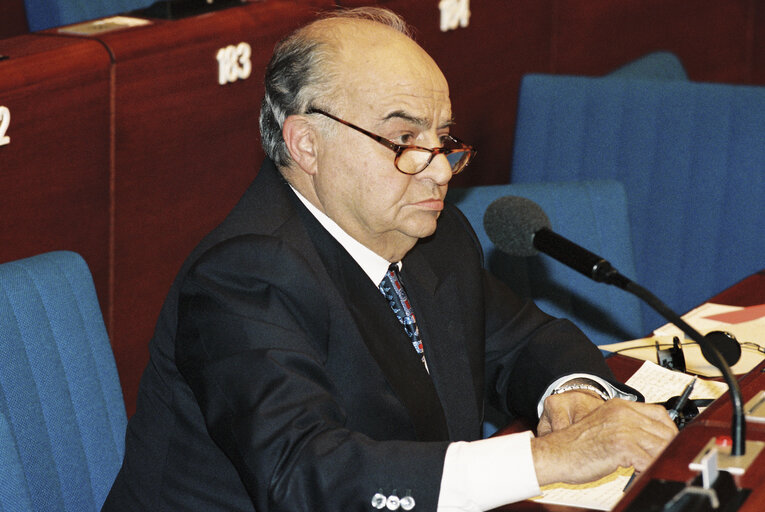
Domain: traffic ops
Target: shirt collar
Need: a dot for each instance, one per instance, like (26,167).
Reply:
(373,265)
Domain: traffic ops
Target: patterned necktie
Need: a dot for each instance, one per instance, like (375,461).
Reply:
(393,291)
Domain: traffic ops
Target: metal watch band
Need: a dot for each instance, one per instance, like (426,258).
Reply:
(574,387)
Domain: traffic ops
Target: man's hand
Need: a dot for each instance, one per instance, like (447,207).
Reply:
(566,408)
(615,433)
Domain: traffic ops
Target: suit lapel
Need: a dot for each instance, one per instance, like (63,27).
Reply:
(439,315)
(430,399)
(382,333)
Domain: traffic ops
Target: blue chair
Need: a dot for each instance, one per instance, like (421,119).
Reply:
(14,493)
(592,214)
(690,155)
(61,405)
(654,66)
(44,14)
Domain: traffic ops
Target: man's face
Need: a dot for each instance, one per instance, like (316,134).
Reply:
(394,90)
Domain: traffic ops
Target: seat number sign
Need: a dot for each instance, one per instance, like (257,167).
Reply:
(234,63)
(5,122)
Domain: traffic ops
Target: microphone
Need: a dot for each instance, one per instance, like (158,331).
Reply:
(519,227)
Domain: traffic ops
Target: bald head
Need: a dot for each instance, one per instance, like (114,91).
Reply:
(370,59)
(366,91)
(312,66)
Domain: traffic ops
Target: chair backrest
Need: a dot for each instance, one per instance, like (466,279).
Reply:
(592,214)
(59,389)
(44,14)
(14,492)
(692,160)
(654,66)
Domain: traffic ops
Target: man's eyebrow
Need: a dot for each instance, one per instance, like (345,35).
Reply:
(418,121)
(449,122)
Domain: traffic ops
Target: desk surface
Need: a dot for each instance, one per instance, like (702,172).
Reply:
(748,292)
(715,421)
(673,463)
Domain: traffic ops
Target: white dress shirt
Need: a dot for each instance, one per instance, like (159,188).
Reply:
(478,475)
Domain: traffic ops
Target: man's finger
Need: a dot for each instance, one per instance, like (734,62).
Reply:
(544,427)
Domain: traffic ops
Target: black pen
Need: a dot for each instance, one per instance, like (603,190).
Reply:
(683,399)
(629,482)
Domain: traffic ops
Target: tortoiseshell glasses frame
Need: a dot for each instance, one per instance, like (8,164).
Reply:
(412,159)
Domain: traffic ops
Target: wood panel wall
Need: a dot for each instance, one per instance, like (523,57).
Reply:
(126,149)
(716,41)
(13,19)
(54,189)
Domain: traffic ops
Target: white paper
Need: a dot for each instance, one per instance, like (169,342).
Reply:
(657,384)
(601,495)
(751,332)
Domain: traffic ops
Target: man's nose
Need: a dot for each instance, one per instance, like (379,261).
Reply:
(439,170)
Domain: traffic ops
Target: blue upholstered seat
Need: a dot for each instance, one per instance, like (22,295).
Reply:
(14,493)
(653,66)
(691,157)
(592,214)
(61,406)
(43,14)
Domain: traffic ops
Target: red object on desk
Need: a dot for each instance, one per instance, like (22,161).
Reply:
(747,314)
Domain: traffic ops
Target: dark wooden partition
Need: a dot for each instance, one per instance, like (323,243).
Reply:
(505,39)
(713,39)
(54,180)
(13,19)
(186,147)
(757,35)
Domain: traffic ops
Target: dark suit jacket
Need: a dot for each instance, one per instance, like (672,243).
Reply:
(280,379)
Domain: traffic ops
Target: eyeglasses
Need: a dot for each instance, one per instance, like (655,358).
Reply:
(414,159)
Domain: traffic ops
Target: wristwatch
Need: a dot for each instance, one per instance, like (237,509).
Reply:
(580,384)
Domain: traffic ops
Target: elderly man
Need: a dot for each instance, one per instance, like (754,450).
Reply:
(294,368)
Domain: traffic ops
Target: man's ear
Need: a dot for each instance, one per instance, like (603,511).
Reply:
(300,138)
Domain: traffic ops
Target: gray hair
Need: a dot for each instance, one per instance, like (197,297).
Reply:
(301,71)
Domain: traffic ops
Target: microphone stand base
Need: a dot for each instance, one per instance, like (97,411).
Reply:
(668,496)
(733,464)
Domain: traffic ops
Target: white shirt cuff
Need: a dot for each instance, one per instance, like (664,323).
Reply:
(482,475)
(612,391)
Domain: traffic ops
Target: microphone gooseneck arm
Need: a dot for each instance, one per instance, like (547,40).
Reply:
(600,270)
(711,354)
(519,226)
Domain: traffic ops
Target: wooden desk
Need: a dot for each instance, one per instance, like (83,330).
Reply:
(747,292)
(719,414)
(673,463)
(714,421)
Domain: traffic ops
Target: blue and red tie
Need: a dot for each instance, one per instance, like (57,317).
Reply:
(393,291)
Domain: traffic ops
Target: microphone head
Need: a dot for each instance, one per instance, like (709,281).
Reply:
(726,344)
(511,223)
